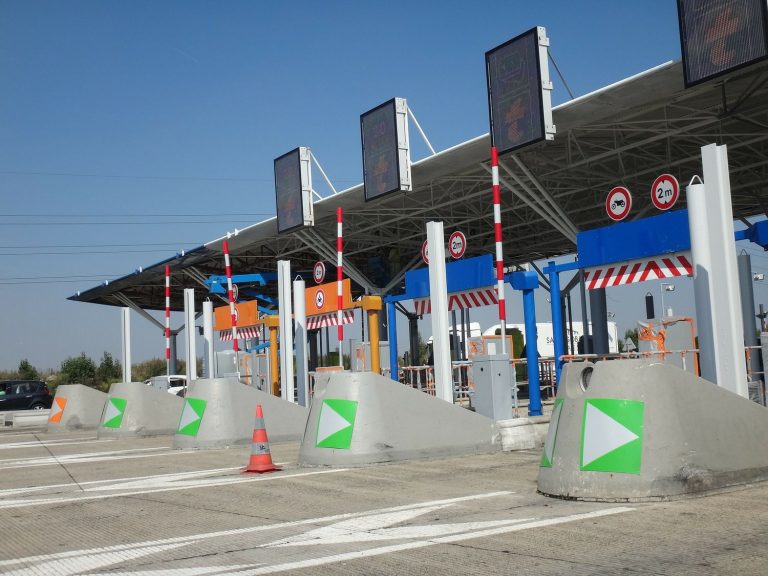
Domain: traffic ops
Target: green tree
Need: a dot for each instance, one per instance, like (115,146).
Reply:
(109,370)
(79,370)
(27,371)
(147,369)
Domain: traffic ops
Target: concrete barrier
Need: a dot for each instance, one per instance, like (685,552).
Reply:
(359,418)
(634,430)
(76,407)
(135,409)
(220,412)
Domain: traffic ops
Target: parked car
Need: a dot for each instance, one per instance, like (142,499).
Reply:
(173,384)
(24,395)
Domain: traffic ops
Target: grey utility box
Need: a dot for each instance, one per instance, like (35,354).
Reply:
(494,386)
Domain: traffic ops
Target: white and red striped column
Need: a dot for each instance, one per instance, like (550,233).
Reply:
(168,320)
(339,278)
(231,296)
(499,249)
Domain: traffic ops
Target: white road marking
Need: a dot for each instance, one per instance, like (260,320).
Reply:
(60,442)
(218,481)
(69,563)
(51,488)
(78,561)
(372,528)
(88,457)
(356,555)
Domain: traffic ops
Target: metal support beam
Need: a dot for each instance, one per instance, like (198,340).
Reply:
(715,281)
(125,316)
(209,360)
(535,207)
(392,327)
(314,241)
(557,319)
(140,311)
(300,319)
(532,353)
(438,293)
(286,329)
(191,334)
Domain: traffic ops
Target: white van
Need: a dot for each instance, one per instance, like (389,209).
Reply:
(173,384)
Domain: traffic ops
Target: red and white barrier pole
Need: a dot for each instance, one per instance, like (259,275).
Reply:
(339,278)
(499,250)
(231,295)
(168,320)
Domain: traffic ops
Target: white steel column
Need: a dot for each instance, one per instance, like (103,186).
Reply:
(716,278)
(438,294)
(190,333)
(286,329)
(125,315)
(300,319)
(209,362)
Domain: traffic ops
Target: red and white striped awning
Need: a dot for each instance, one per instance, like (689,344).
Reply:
(459,300)
(330,319)
(656,268)
(242,333)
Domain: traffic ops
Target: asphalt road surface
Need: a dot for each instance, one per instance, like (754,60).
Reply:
(73,504)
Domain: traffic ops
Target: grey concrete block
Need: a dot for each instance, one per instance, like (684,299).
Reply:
(227,409)
(146,411)
(76,407)
(389,422)
(651,431)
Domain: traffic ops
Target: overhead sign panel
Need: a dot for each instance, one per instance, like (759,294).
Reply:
(386,149)
(519,101)
(323,299)
(247,314)
(719,36)
(293,190)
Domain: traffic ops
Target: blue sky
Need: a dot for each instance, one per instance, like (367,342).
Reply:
(131,130)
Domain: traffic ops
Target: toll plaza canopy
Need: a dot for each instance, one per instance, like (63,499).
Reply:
(625,134)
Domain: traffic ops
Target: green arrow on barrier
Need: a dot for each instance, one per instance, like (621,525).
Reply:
(612,435)
(191,416)
(336,424)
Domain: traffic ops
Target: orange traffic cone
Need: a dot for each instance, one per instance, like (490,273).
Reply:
(261,458)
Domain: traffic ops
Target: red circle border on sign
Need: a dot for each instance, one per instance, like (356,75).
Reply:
(318,265)
(625,213)
(675,197)
(463,241)
(424,253)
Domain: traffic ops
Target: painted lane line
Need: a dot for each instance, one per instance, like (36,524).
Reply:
(20,503)
(374,528)
(115,481)
(82,454)
(511,526)
(61,442)
(356,555)
(184,540)
(83,459)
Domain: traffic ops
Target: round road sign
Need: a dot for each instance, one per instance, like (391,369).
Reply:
(318,272)
(457,245)
(319,299)
(425,252)
(618,203)
(665,191)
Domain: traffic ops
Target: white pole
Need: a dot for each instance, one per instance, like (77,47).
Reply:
(286,329)
(189,331)
(210,364)
(716,278)
(126,351)
(300,319)
(438,294)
